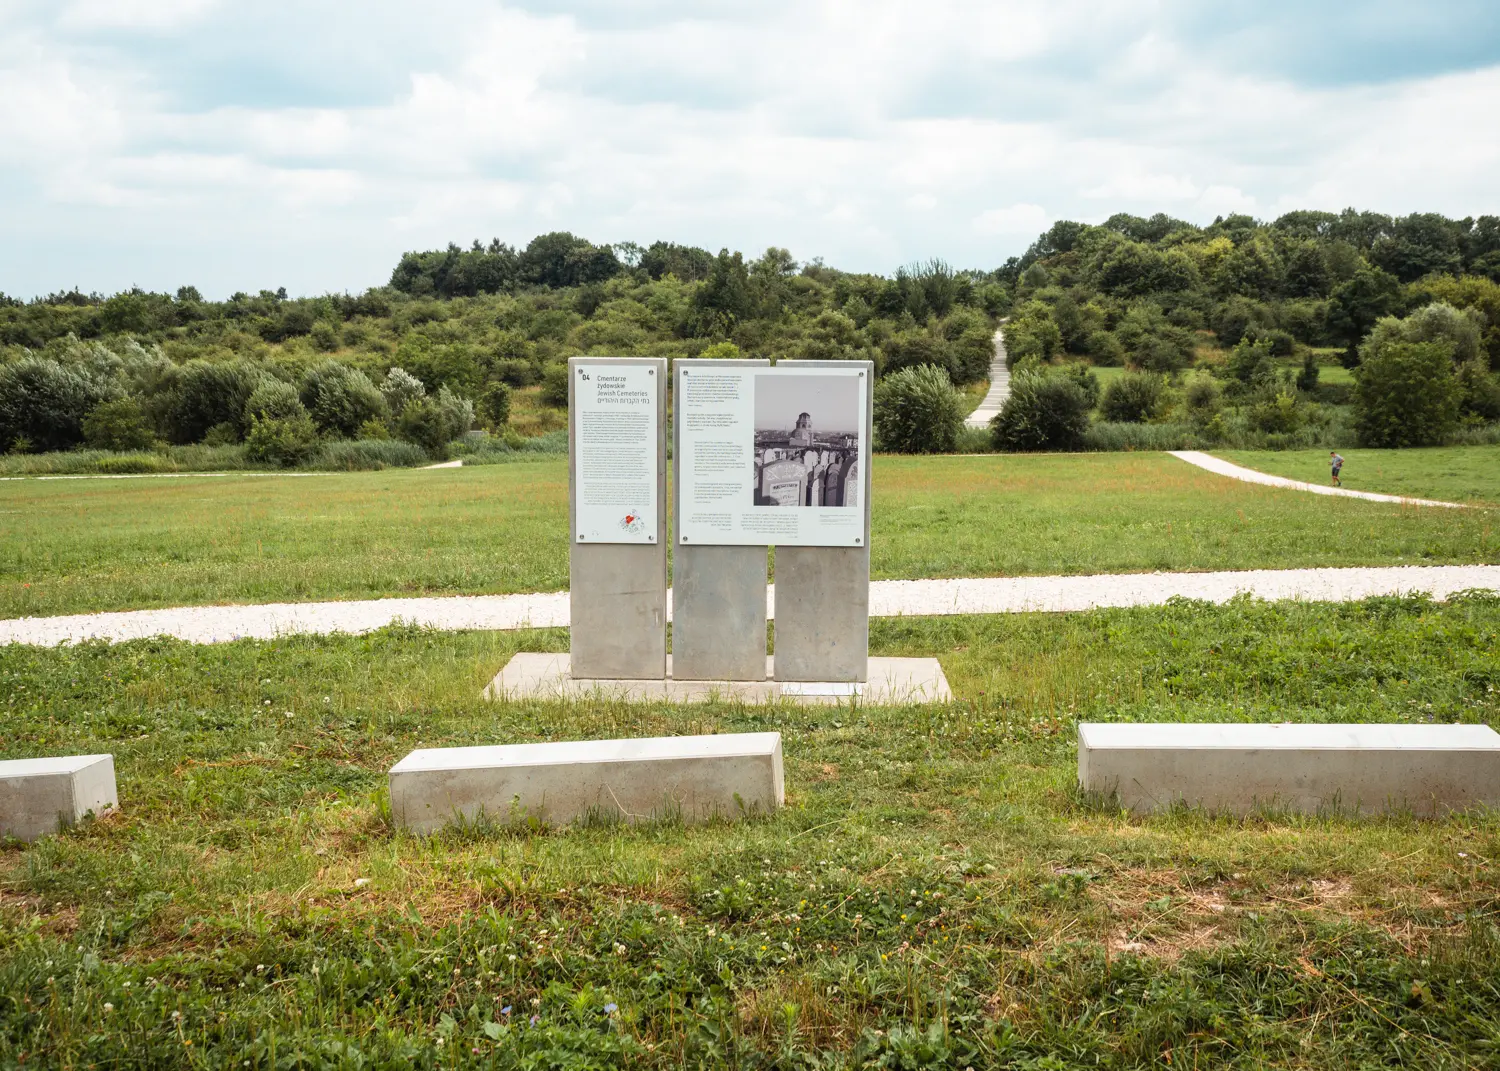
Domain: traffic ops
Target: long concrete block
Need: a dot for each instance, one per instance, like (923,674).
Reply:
(41,796)
(1236,768)
(692,777)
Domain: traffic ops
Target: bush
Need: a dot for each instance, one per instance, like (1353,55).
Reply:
(1250,361)
(1044,412)
(373,429)
(1481,392)
(400,389)
(1105,349)
(204,394)
(273,400)
(494,406)
(912,349)
(516,372)
(1203,396)
(284,442)
(119,424)
(1278,414)
(1085,378)
(368,454)
(555,386)
(433,423)
(340,398)
(1134,398)
(1407,395)
(918,411)
(45,403)
(1307,379)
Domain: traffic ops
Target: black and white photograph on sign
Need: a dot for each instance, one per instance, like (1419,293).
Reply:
(807,430)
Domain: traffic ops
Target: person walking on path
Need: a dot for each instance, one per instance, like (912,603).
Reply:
(1336,463)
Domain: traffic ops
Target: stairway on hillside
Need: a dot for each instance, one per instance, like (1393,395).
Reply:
(999,386)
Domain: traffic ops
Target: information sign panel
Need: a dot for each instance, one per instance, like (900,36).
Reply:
(775,455)
(616,438)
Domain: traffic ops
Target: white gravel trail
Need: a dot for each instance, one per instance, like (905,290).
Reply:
(1238,472)
(994,399)
(888,598)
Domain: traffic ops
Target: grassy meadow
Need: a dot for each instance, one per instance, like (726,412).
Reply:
(936,894)
(1446,473)
(79,545)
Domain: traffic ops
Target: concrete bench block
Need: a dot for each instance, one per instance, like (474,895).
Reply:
(41,796)
(1237,768)
(692,777)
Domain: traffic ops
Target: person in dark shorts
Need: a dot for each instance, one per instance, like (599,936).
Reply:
(1336,463)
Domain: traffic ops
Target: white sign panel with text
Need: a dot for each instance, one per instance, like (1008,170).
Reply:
(615,449)
(773,455)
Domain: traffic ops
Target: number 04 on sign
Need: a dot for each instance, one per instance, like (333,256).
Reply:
(617,442)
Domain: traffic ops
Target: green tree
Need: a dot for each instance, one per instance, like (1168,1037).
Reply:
(1358,304)
(494,406)
(1407,395)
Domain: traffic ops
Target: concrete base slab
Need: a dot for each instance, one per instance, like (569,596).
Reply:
(892,681)
(1237,768)
(41,796)
(694,778)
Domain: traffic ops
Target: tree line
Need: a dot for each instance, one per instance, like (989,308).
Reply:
(471,325)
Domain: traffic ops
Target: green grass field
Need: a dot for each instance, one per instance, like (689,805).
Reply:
(80,545)
(1446,473)
(936,894)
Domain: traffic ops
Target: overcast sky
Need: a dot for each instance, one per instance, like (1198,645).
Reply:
(306,145)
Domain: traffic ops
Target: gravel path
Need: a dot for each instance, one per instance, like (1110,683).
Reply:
(999,390)
(888,598)
(1237,472)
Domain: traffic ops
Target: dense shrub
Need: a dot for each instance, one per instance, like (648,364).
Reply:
(118,424)
(273,399)
(284,442)
(1276,413)
(1086,379)
(1105,349)
(1250,361)
(1133,398)
(1045,411)
(433,423)
(205,394)
(555,386)
(1408,395)
(1480,398)
(1203,397)
(44,403)
(494,406)
(340,398)
(918,411)
(400,389)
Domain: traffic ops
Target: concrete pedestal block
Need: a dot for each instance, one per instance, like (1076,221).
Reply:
(892,682)
(822,613)
(1363,769)
(692,777)
(618,610)
(719,613)
(40,796)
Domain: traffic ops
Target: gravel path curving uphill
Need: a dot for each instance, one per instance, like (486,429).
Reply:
(888,598)
(1237,472)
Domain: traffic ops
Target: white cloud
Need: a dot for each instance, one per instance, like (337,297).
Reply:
(869,133)
(1022,219)
(132,14)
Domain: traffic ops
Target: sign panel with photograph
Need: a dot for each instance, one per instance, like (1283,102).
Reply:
(615,445)
(773,455)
